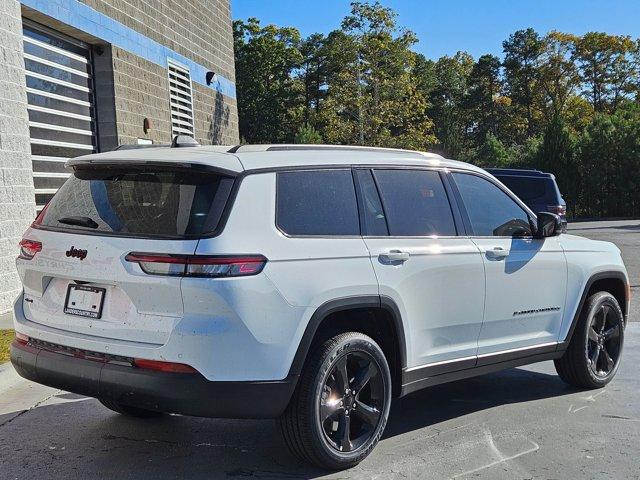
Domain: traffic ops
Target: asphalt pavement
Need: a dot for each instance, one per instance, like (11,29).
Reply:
(523,423)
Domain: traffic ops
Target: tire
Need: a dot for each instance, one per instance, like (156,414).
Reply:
(129,410)
(590,340)
(332,425)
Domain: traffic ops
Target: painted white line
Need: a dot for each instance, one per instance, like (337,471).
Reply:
(592,397)
(501,457)
(421,439)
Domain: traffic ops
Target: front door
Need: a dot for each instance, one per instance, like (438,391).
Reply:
(526,277)
(434,276)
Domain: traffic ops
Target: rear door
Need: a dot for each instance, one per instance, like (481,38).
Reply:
(81,282)
(435,276)
(526,277)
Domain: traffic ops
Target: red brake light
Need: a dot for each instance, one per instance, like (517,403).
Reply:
(29,248)
(159,366)
(199,265)
(21,338)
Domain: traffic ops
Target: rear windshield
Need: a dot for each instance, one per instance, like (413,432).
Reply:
(531,189)
(136,202)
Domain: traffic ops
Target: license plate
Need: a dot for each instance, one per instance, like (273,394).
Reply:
(84,301)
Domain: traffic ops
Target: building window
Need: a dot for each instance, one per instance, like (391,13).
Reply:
(59,81)
(181,99)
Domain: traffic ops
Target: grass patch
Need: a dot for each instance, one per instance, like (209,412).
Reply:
(6,337)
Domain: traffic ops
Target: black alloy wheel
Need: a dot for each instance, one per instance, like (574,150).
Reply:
(603,341)
(351,403)
(595,349)
(340,407)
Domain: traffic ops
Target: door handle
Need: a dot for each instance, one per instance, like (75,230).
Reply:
(394,256)
(497,253)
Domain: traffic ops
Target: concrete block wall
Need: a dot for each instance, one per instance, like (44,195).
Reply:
(198,29)
(17,205)
(141,90)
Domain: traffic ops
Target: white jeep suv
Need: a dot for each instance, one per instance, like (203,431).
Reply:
(306,283)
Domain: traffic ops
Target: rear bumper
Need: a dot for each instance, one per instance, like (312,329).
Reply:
(187,394)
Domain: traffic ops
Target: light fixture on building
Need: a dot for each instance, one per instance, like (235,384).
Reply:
(210,77)
(146,125)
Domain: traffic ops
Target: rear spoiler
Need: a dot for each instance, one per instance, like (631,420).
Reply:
(205,159)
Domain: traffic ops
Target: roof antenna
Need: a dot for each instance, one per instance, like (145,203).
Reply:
(184,141)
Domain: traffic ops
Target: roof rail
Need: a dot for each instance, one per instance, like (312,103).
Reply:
(136,146)
(514,171)
(293,147)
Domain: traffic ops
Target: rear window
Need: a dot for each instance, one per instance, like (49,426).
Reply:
(530,189)
(132,202)
(317,202)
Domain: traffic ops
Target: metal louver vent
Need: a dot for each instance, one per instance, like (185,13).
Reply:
(181,99)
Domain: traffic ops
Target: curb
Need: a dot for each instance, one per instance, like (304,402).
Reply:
(8,376)
(6,320)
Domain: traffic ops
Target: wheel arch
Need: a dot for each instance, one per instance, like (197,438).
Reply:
(615,282)
(354,314)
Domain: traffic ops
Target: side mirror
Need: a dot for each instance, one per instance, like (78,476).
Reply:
(549,225)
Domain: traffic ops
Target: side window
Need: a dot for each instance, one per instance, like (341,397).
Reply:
(491,211)
(371,211)
(415,202)
(317,202)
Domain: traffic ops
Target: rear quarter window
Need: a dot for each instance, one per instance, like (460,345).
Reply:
(317,202)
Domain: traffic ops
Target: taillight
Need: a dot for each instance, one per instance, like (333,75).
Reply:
(198,265)
(29,248)
(159,366)
(557,209)
(21,338)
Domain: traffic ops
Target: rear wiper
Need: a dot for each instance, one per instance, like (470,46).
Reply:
(80,221)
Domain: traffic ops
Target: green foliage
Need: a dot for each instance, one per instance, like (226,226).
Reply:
(266,57)
(493,153)
(308,135)
(609,157)
(562,103)
(6,337)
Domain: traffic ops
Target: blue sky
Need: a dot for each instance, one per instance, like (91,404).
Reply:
(446,26)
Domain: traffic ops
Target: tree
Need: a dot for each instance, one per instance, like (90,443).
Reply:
(308,135)
(523,52)
(374,98)
(485,86)
(557,76)
(608,65)
(268,94)
(445,84)
(609,153)
(562,103)
(493,153)
(557,155)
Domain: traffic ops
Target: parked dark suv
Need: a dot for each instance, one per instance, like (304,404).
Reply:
(537,189)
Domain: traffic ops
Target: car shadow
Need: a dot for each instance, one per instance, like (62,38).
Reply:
(521,252)
(80,435)
(452,400)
